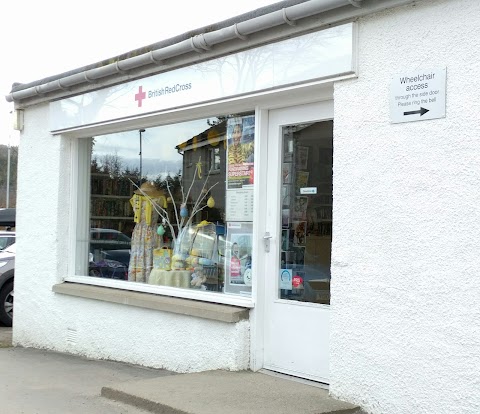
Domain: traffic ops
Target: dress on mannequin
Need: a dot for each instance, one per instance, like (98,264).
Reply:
(144,236)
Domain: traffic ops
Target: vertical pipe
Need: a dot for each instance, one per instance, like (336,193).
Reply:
(8,176)
(140,154)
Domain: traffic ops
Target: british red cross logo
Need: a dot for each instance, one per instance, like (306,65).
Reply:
(140,96)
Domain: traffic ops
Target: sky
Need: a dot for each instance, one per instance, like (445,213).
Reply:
(45,38)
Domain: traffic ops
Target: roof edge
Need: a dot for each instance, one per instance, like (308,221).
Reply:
(261,26)
(18,86)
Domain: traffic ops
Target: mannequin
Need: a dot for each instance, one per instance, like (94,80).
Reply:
(144,236)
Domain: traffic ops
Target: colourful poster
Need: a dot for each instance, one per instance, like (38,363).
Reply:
(238,254)
(240,151)
(239,257)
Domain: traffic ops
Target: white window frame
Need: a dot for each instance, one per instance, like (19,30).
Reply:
(211,156)
(260,103)
(80,211)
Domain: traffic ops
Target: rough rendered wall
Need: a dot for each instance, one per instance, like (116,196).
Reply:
(93,328)
(406,256)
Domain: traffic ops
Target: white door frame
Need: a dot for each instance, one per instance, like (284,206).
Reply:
(324,95)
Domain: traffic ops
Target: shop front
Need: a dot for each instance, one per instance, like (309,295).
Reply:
(193,229)
(263,196)
(210,186)
(229,208)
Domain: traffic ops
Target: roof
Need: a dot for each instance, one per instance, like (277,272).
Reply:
(164,43)
(281,20)
(215,133)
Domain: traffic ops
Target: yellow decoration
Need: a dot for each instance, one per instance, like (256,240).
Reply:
(195,252)
(212,137)
(211,202)
(199,169)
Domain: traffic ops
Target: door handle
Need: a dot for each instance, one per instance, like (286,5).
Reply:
(266,241)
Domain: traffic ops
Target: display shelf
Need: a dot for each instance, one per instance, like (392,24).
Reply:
(110,218)
(116,197)
(110,202)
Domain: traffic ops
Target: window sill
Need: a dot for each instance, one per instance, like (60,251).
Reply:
(213,311)
(240,301)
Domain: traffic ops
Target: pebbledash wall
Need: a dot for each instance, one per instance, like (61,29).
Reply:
(405,292)
(94,328)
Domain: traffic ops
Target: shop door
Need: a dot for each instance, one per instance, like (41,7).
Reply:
(297,241)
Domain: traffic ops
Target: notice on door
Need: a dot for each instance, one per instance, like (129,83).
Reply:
(286,277)
(418,96)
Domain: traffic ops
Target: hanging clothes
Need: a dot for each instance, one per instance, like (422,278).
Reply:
(144,237)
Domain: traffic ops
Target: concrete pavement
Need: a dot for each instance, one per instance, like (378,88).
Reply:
(39,382)
(220,392)
(34,381)
(5,337)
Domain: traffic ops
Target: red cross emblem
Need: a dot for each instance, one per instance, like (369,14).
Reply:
(140,96)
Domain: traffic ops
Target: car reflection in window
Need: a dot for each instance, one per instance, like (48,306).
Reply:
(109,254)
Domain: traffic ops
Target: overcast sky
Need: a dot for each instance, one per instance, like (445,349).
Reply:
(44,38)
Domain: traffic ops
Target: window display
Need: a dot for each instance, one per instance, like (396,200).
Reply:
(170,194)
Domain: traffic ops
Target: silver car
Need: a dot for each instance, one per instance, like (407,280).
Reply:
(6,238)
(7,268)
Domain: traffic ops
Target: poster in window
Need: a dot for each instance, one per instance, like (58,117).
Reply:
(238,254)
(285,239)
(287,173)
(302,180)
(300,208)
(299,233)
(240,151)
(285,217)
(302,158)
(285,195)
(299,255)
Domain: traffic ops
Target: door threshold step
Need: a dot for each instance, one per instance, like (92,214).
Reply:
(294,378)
(220,392)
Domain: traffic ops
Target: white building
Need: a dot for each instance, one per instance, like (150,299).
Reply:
(385,91)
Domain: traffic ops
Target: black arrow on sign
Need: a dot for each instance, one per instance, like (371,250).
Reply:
(421,111)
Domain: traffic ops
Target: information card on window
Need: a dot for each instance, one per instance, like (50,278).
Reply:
(239,205)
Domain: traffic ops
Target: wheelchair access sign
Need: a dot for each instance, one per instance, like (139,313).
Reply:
(418,96)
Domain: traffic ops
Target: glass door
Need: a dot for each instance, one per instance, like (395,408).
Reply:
(306,203)
(299,227)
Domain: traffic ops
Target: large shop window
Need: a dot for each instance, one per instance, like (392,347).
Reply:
(173,205)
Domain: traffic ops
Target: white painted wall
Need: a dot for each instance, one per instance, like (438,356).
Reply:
(405,285)
(93,328)
(405,288)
